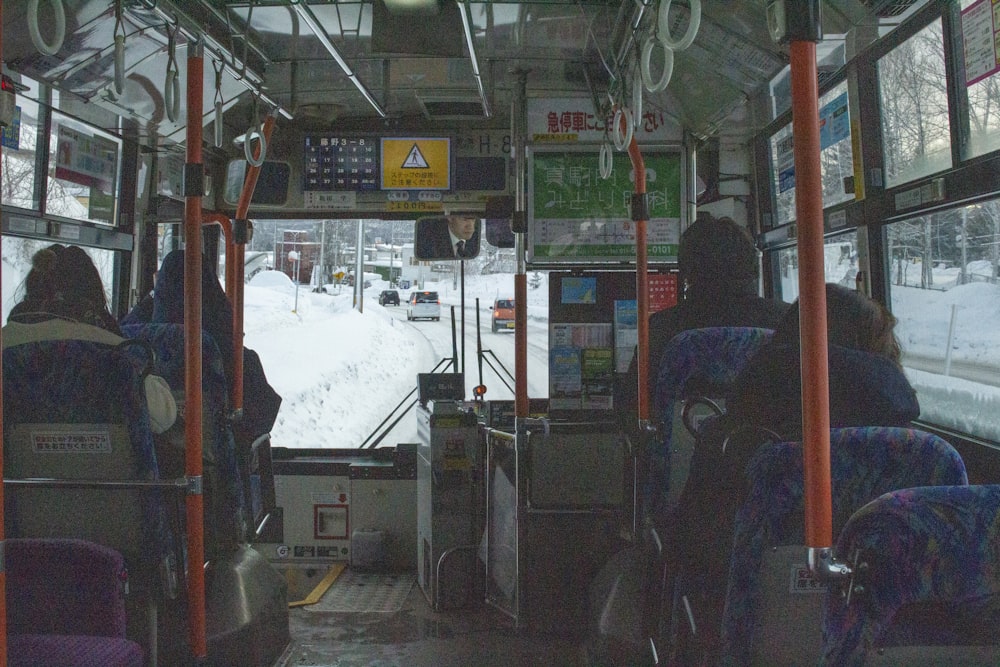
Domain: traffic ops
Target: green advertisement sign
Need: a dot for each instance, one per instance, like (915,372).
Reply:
(577,216)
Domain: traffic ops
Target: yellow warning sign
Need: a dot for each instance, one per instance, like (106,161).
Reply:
(416,163)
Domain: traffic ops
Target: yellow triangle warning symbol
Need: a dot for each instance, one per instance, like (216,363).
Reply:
(415,159)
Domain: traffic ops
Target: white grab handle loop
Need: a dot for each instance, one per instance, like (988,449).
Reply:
(248,148)
(59,16)
(668,64)
(663,25)
(606,161)
(622,138)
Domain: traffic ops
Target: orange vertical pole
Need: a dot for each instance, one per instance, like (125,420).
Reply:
(193,181)
(641,287)
(3,570)
(812,296)
(239,259)
(519,120)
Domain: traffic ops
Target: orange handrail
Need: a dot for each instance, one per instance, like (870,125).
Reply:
(239,258)
(641,288)
(812,297)
(192,352)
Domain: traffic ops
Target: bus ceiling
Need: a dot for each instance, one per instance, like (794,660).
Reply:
(348,64)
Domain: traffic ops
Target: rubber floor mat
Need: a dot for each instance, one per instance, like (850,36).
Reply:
(366,592)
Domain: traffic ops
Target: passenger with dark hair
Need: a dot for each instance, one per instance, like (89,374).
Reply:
(719,274)
(867,388)
(261,402)
(64,299)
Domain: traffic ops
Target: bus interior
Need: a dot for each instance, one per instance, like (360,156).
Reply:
(496,511)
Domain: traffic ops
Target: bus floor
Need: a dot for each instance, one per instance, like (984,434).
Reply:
(414,635)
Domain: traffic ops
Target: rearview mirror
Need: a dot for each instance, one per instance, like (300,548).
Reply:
(447,237)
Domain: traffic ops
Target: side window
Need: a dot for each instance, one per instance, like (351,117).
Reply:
(943,277)
(913,99)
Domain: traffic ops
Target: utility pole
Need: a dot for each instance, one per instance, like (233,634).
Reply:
(322,254)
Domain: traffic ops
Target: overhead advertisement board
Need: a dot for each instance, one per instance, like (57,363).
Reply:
(576,217)
(414,163)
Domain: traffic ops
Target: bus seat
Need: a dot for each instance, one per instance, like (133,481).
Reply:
(66,604)
(929,591)
(696,364)
(773,607)
(76,410)
(702,363)
(225,505)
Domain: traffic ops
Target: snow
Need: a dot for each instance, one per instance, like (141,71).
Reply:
(340,371)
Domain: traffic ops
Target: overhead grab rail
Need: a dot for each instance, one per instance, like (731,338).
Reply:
(242,231)
(307,16)
(192,29)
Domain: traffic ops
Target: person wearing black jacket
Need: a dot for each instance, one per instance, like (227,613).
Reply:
(867,388)
(718,266)
(260,401)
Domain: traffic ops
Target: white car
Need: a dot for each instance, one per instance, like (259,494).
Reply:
(423,305)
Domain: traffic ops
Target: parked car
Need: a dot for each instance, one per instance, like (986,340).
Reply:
(503,315)
(423,305)
(388,296)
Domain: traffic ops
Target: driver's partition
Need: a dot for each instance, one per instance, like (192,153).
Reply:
(556,500)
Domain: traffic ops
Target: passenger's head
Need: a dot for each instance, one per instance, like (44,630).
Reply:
(217,311)
(852,319)
(716,251)
(64,282)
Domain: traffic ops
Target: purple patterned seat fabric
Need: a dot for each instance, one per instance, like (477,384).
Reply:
(865,463)
(693,362)
(935,548)
(71,651)
(66,604)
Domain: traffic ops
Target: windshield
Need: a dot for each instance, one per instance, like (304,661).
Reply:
(505,303)
(427,297)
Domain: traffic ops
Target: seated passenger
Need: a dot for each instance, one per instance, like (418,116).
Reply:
(867,388)
(64,300)
(260,401)
(718,269)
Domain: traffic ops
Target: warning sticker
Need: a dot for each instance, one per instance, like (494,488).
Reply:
(411,163)
(802,580)
(97,441)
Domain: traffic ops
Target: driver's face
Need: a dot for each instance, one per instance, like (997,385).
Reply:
(461,227)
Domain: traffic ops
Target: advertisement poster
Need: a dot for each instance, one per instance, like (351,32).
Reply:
(581,366)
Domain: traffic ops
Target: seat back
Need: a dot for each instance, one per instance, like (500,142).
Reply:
(66,604)
(225,506)
(64,587)
(695,363)
(76,410)
(865,463)
(929,583)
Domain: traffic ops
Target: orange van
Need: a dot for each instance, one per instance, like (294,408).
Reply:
(503,315)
